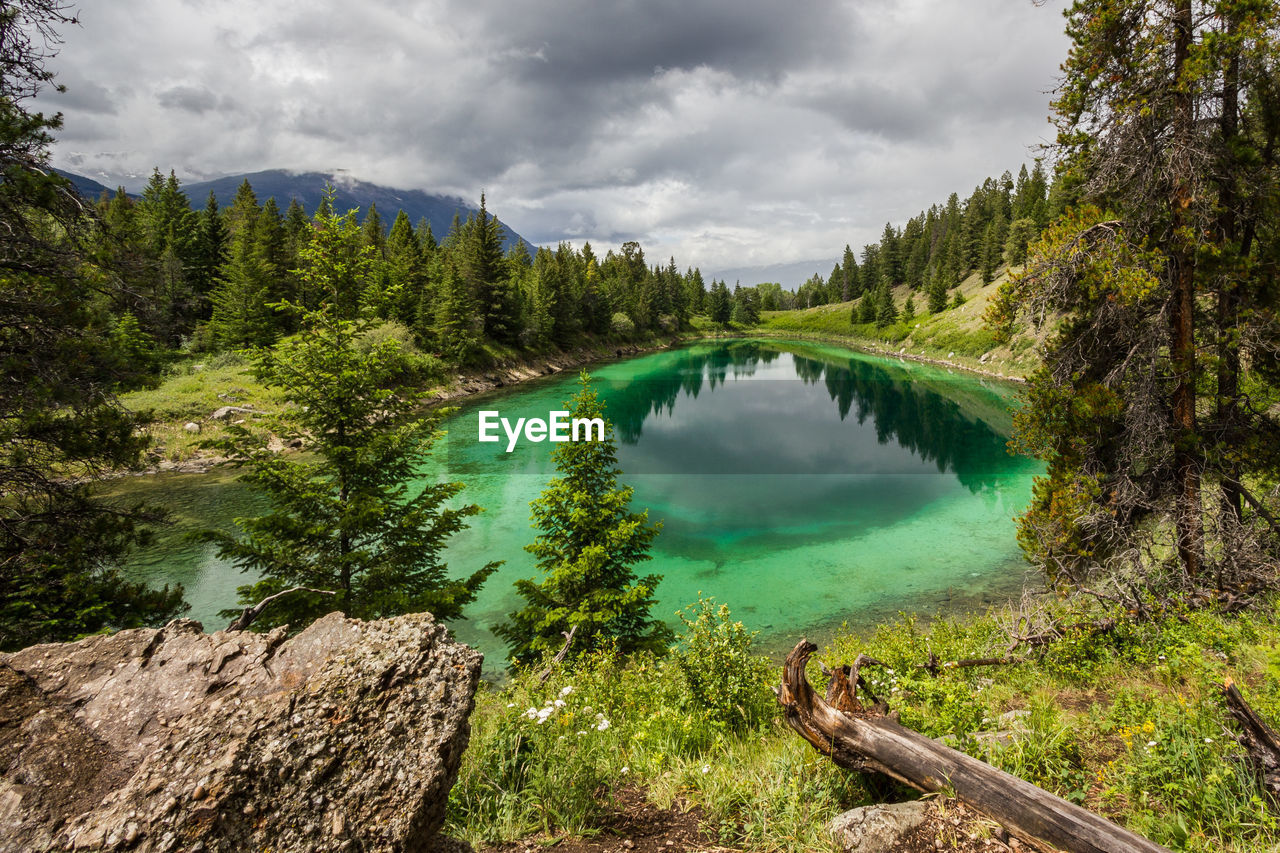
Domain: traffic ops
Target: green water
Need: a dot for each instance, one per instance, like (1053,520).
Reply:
(804,485)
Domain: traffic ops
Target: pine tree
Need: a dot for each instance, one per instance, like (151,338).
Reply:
(347,522)
(848,276)
(483,269)
(867,306)
(407,270)
(456,323)
(61,429)
(588,542)
(937,291)
(241,316)
(886,310)
(1164,123)
(210,252)
(720,304)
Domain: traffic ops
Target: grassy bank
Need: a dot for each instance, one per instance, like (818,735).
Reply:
(954,336)
(195,387)
(1128,723)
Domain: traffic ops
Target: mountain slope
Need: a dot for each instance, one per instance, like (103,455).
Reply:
(88,188)
(308,188)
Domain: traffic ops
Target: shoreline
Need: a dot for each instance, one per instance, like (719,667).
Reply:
(465,384)
(864,346)
(516,372)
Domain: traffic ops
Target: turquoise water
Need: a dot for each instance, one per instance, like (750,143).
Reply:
(804,485)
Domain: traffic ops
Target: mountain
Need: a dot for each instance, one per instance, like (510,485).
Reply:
(308,187)
(789,275)
(88,188)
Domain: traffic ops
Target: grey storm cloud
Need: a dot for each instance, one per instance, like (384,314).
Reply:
(728,133)
(193,99)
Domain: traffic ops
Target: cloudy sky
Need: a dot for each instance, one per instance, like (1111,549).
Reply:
(728,133)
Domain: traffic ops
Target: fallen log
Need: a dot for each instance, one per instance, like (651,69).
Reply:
(872,741)
(1258,739)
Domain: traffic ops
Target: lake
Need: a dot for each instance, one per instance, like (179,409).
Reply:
(802,484)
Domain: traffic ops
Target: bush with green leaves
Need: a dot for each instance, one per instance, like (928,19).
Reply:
(728,681)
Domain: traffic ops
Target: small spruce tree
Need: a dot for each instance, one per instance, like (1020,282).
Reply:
(588,542)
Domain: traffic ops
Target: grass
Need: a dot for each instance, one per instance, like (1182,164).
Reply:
(191,391)
(955,335)
(1129,724)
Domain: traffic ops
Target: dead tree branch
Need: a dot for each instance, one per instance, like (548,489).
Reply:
(865,741)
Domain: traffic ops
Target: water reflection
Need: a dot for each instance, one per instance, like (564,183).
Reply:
(889,406)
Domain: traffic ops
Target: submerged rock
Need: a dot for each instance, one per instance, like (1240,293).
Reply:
(345,737)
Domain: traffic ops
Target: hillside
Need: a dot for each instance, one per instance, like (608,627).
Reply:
(955,336)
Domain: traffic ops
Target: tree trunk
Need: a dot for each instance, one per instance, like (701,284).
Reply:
(862,741)
(1228,415)
(1182,351)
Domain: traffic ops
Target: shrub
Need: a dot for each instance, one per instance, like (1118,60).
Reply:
(620,324)
(727,682)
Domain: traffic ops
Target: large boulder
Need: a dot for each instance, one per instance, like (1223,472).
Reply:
(346,737)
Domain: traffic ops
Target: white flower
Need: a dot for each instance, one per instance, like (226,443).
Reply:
(625,771)
(559,703)
(511,704)
(566,690)
(706,768)
(587,709)
(531,713)
(1151,743)
(582,734)
(602,725)
(1208,740)
(544,714)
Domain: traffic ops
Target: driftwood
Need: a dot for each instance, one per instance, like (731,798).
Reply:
(1258,739)
(873,741)
(252,612)
(560,655)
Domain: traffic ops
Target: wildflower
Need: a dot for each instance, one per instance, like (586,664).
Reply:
(544,714)
(1208,740)
(531,713)
(511,704)
(1151,743)
(587,709)
(602,725)
(582,734)
(566,690)
(559,703)
(625,770)
(706,768)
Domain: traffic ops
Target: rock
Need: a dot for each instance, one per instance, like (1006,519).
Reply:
(347,736)
(224,412)
(879,828)
(191,427)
